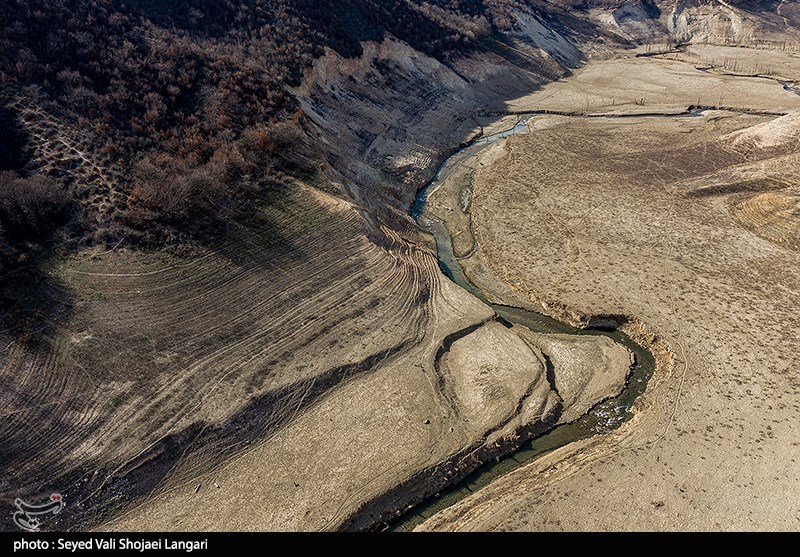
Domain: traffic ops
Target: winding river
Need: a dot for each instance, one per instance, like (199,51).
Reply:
(602,418)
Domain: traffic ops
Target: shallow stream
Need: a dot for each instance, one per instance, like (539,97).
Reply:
(602,418)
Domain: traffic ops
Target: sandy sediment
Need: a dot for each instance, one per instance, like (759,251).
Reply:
(624,228)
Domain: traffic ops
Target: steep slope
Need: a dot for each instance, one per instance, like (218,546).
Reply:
(149,369)
(302,349)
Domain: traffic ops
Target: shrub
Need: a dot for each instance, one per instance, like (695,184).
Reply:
(31,208)
(280,146)
(177,193)
(12,141)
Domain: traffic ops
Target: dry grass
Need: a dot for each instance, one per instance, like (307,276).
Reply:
(655,218)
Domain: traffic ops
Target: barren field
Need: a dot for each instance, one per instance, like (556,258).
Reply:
(258,393)
(312,367)
(403,421)
(696,75)
(688,224)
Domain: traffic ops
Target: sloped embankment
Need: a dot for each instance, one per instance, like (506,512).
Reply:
(173,358)
(315,360)
(298,362)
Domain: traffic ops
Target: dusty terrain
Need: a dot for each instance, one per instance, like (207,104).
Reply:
(314,369)
(417,416)
(297,360)
(260,396)
(689,224)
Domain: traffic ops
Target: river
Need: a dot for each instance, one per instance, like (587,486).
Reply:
(602,418)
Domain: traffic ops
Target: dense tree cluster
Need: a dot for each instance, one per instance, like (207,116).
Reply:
(148,87)
(30,208)
(164,90)
(190,197)
(174,74)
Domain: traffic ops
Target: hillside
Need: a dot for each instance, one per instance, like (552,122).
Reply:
(211,283)
(135,106)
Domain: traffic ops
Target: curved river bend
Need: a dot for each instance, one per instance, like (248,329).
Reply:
(602,418)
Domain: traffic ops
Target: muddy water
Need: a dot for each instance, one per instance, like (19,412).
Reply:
(603,418)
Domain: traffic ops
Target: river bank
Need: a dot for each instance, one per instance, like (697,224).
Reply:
(601,417)
(645,217)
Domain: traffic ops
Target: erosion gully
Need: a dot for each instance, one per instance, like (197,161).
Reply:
(602,418)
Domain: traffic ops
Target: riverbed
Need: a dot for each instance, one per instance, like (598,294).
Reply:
(602,418)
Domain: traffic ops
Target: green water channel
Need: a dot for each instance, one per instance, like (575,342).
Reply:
(601,419)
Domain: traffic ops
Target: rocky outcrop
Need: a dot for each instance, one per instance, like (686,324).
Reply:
(391,116)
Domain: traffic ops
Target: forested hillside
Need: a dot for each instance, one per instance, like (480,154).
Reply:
(170,109)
